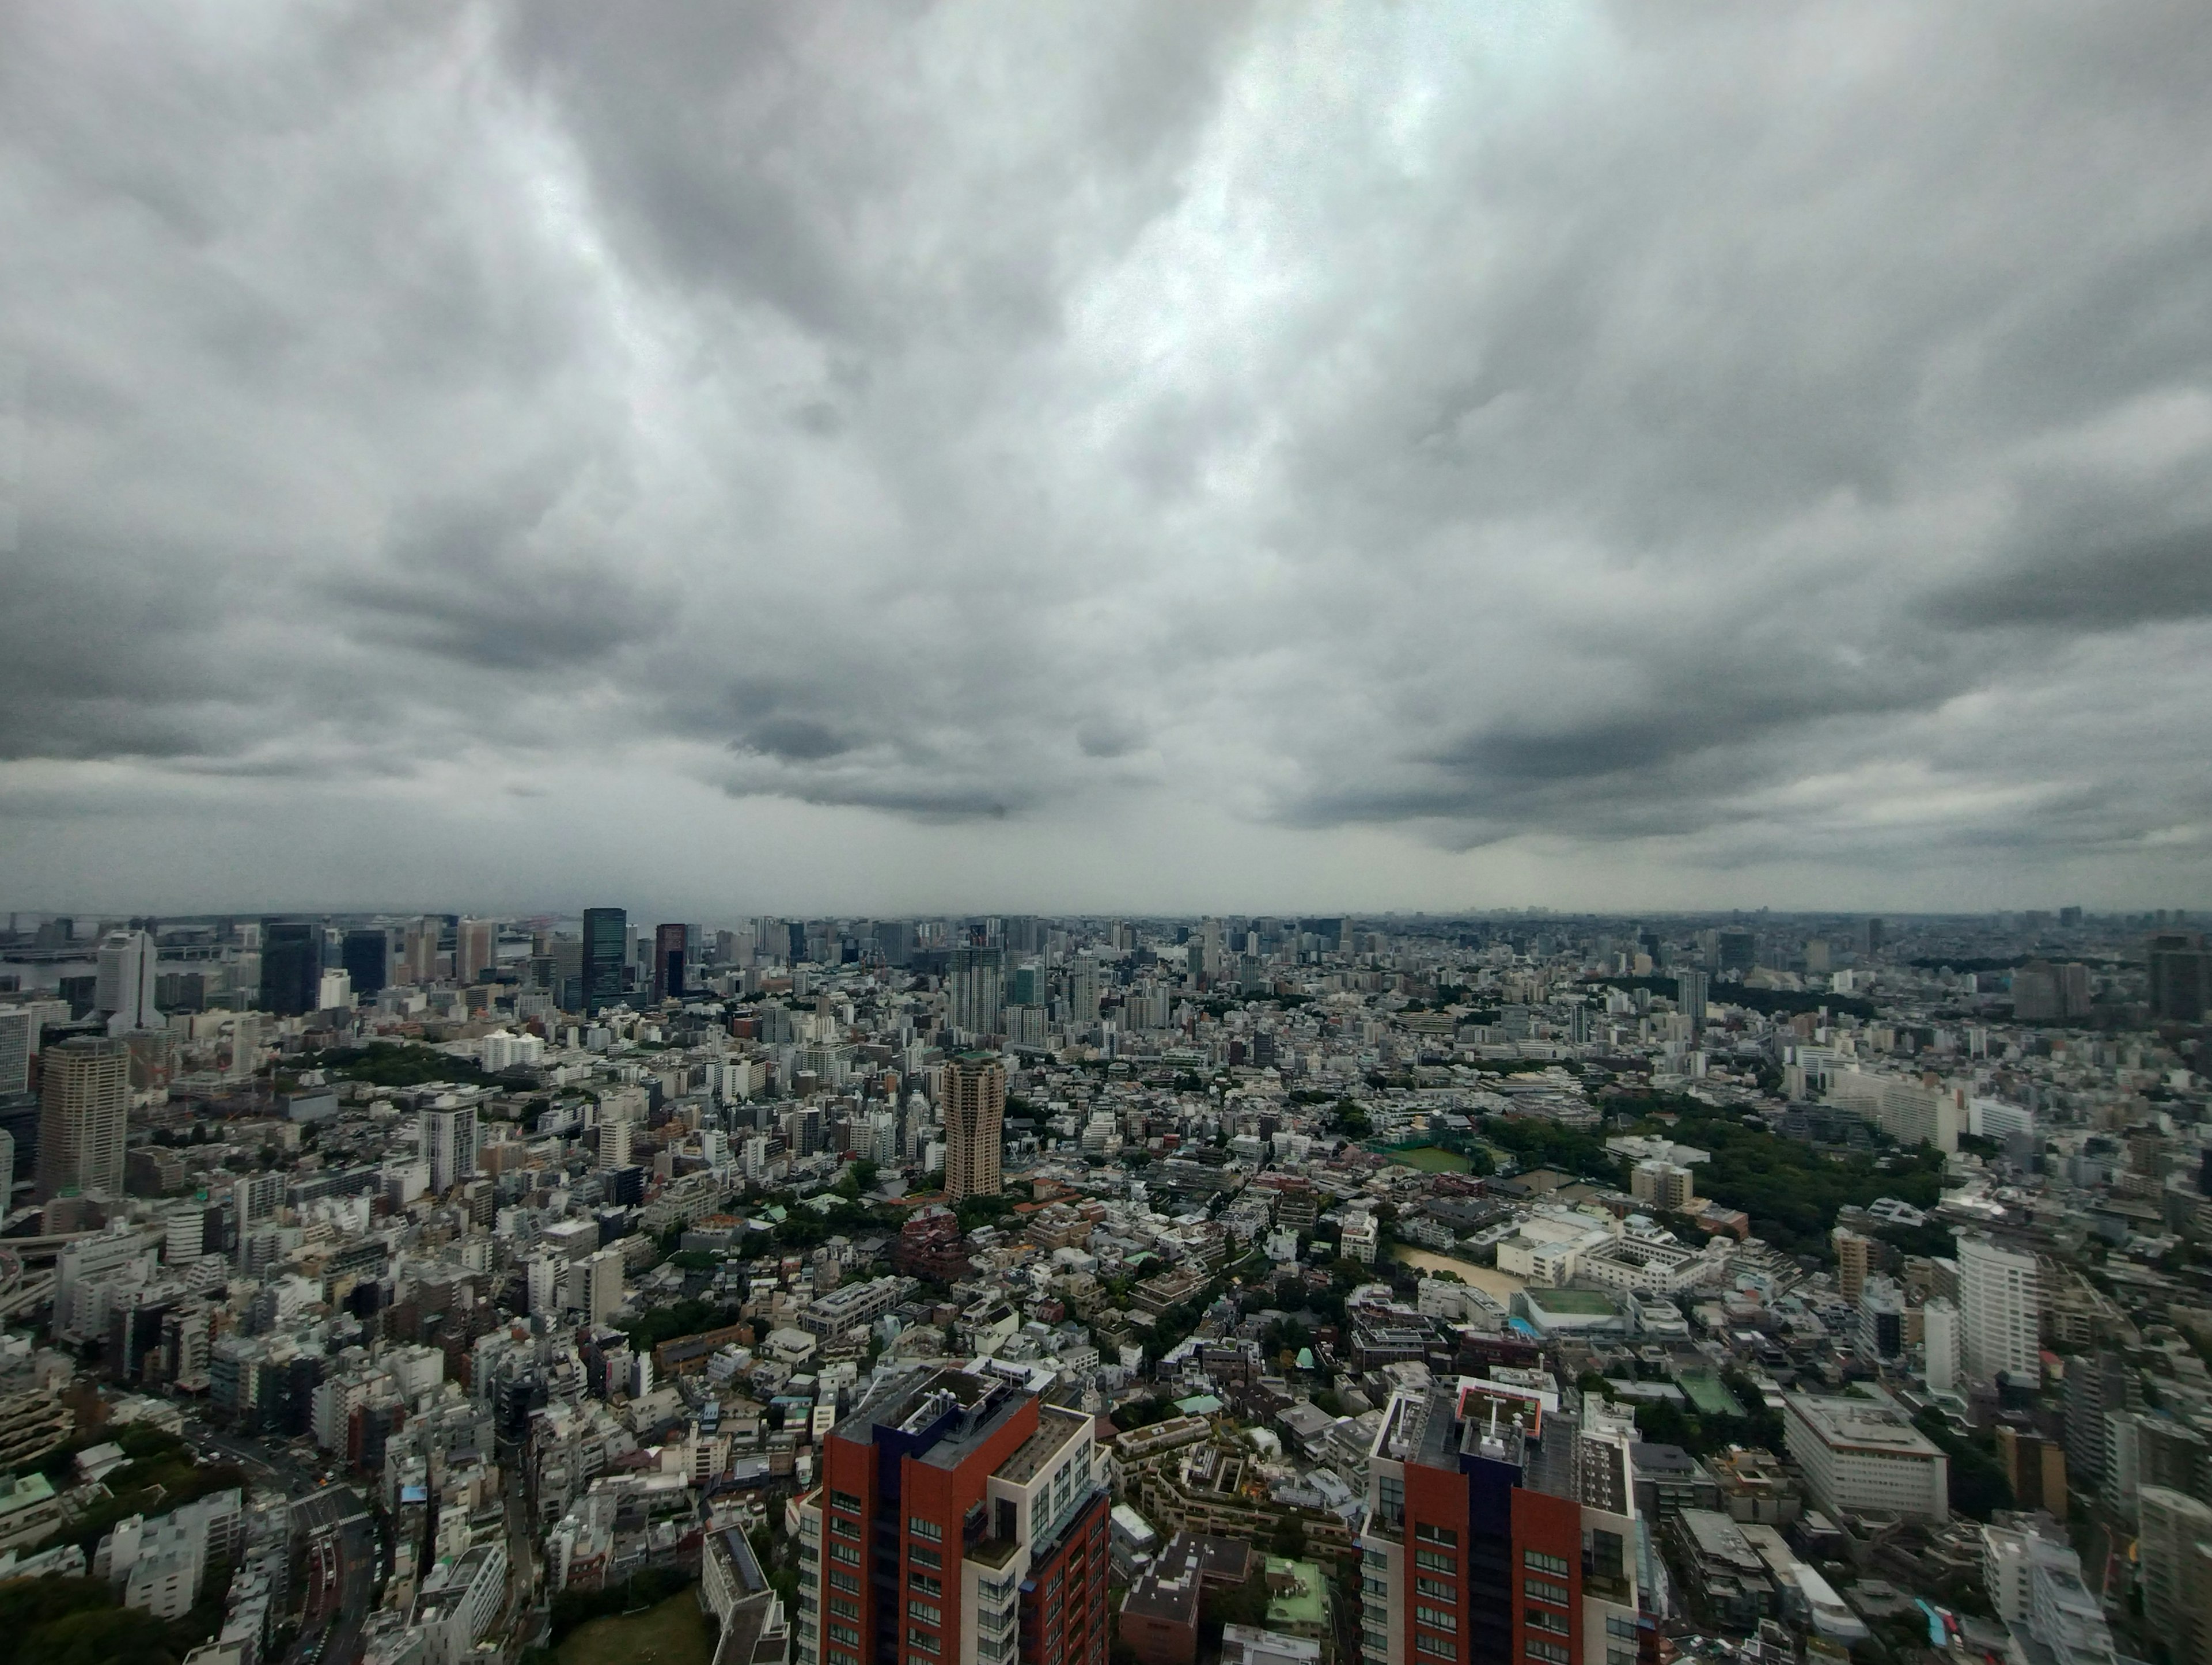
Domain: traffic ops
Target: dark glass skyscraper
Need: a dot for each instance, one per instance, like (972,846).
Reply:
(606,942)
(668,947)
(291,966)
(368,956)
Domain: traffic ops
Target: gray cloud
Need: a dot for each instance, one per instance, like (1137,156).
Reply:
(1643,435)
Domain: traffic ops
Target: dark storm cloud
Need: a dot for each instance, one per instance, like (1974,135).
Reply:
(1738,430)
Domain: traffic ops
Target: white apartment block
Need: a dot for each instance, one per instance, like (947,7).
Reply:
(1864,1456)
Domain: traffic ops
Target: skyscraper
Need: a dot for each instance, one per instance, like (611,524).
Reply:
(420,963)
(2180,979)
(449,1144)
(975,981)
(15,1025)
(668,949)
(1690,987)
(605,942)
(975,1122)
(476,949)
(2000,1300)
(85,1101)
(366,955)
(960,1517)
(291,966)
(124,987)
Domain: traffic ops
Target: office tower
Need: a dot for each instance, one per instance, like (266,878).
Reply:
(16,1025)
(1497,1533)
(333,990)
(1999,1296)
(291,966)
(476,949)
(595,1285)
(1880,1338)
(367,956)
(668,949)
(2096,1389)
(1877,936)
(1083,982)
(1854,1256)
(975,980)
(1029,986)
(84,1102)
(614,1145)
(449,1144)
(1737,951)
(1818,960)
(2034,1467)
(959,1518)
(1863,1454)
(1690,987)
(2180,979)
(975,1104)
(2175,1550)
(419,954)
(125,986)
(1940,1342)
(606,941)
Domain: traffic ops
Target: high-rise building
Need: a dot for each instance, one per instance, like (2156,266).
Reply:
(1877,936)
(606,940)
(449,1144)
(1941,1343)
(84,1105)
(367,956)
(975,982)
(125,986)
(974,1105)
(476,949)
(959,1518)
(2096,1387)
(2175,1550)
(16,1026)
(419,963)
(1690,992)
(614,1145)
(2180,979)
(1736,951)
(1497,1530)
(1085,983)
(2000,1297)
(1854,1257)
(668,951)
(291,966)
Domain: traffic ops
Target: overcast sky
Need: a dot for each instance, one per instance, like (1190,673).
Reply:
(1140,456)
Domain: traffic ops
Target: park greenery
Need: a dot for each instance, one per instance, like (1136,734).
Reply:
(392,1064)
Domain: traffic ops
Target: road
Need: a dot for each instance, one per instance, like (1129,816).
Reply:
(340,1574)
(340,1577)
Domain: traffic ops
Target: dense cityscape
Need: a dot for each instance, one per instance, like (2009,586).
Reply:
(1296,1290)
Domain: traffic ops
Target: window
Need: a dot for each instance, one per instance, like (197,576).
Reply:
(846,1634)
(1426,1644)
(1620,1656)
(844,1529)
(845,1553)
(845,1501)
(925,1584)
(1550,1652)
(921,1639)
(924,1612)
(1391,1494)
(1375,1557)
(921,1528)
(1542,1618)
(1375,1589)
(1438,1617)
(844,1581)
(1437,1535)
(1536,1561)
(1436,1587)
(1538,1589)
(845,1609)
(924,1558)
(1430,1561)
(1615,1626)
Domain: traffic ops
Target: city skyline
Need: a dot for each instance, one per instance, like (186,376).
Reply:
(1155,461)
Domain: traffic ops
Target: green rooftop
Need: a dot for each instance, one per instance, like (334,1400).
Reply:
(1295,1594)
(1707,1393)
(1589,1301)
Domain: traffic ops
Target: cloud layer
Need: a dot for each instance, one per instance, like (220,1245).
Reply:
(1654,449)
